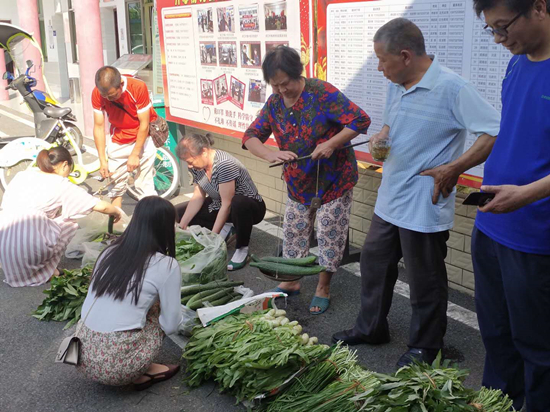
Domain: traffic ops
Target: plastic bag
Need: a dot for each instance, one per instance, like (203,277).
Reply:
(190,320)
(91,251)
(207,265)
(90,228)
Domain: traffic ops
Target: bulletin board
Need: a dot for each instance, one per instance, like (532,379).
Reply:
(345,56)
(211,54)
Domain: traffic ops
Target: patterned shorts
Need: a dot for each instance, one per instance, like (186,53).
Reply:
(332,230)
(118,358)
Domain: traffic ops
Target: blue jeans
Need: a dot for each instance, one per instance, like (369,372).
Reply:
(513,309)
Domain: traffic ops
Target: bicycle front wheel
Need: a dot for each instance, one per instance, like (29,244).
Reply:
(166,175)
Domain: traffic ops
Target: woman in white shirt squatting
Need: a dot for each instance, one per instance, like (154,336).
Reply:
(37,218)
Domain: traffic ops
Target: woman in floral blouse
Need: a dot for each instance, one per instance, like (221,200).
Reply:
(309,117)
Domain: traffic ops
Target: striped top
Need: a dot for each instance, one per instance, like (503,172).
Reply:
(225,169)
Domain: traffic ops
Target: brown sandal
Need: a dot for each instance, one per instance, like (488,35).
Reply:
(157,377)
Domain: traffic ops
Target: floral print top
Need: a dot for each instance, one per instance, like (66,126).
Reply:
(320,113)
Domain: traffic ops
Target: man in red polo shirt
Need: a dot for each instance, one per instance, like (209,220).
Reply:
(128,106)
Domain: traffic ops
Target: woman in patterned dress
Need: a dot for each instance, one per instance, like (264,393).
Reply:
(133,301)
(233,204)
(37,218)
(309,117)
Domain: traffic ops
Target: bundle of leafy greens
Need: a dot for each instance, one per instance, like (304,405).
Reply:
(65,297)
(423,388)
(251,354)
(186,248)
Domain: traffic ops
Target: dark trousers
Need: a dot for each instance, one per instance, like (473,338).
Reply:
(424,255)
(513,310)
(245,213)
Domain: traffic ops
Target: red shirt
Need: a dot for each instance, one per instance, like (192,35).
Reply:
(125,122)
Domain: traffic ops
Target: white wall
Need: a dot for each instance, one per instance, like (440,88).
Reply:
(108,34)
(49,10)
(8,11)
(121,15)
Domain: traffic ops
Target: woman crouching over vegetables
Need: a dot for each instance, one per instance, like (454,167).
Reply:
(232,195)
(38,216)
(309,117)
(133,301)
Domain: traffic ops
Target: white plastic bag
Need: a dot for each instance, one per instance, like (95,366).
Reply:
(92,250)
(90,228)
(189,321)
(207,265)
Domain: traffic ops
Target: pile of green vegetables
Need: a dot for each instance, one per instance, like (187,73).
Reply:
(214,293)
(250,354)
(286,269)
(65,297)
(187,248)
(253,356)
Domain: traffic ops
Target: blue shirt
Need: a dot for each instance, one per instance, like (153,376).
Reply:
(521,155)
(428,127)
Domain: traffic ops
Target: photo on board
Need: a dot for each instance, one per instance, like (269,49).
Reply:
(237,91)
(207,92)
(208,53)
(205,20)
(226,19)
(272,45)
(248,17)
(227,52)
(275,16)
(256,91)
(220,89)
(251,54)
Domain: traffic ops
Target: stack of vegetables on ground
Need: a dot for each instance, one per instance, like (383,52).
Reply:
(65,296)
(289,269)
(214,293)
(250,354)
(255,354)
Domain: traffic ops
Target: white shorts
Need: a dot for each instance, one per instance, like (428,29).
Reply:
(117,155)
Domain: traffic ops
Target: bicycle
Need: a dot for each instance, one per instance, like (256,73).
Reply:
(20,154)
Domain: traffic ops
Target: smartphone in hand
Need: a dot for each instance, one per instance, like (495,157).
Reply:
(478,199)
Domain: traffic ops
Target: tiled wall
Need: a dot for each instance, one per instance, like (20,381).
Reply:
(271,187)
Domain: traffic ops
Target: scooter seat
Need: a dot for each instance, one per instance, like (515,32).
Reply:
(57,112)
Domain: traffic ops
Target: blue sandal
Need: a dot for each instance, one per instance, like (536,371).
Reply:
(319,302)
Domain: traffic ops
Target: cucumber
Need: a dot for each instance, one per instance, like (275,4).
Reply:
(282,269)
(254,258)
(186,299)
(200,295)
(212,298)
(234,299)
(193,290)
(222,301)
(307,261)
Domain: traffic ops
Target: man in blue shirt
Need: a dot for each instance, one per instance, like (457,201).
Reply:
(429,111)
(511,238)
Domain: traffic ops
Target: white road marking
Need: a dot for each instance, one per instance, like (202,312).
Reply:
(2,134)
(91,150)
(17,118)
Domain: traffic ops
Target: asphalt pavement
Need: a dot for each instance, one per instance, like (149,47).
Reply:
(31,381)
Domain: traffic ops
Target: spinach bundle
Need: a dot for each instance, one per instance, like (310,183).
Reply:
(251,354)
(65,297)
(186,248)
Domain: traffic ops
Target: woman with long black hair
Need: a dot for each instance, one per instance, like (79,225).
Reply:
(133,301)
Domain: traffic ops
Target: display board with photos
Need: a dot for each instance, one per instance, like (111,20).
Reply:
(212,52)
(451,30)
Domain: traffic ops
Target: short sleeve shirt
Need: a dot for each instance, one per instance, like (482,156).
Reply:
(428,127)
(124,120)
(320,113)
(225,169)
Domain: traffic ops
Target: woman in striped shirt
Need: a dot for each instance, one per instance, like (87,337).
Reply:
(38,216)
(224,194)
